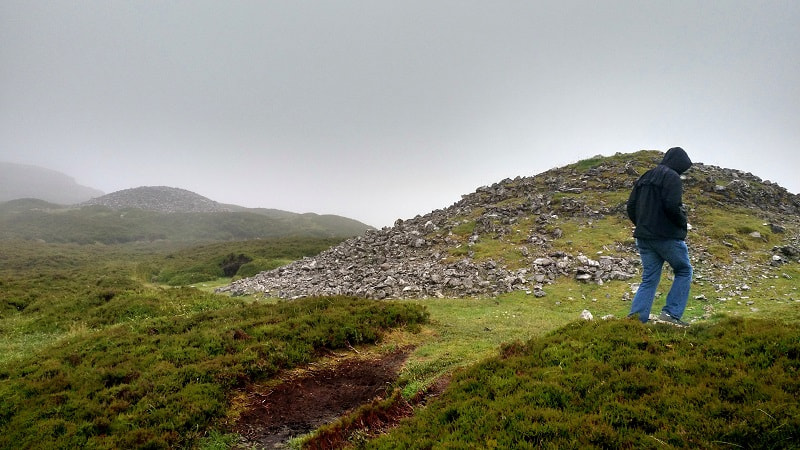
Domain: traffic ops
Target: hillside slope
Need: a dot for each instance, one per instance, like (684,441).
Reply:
(525,233)
(25,181)
(161,213)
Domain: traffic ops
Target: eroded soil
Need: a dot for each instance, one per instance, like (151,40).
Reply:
(271,415)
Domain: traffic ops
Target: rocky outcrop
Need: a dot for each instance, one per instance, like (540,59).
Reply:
(158,198)
(435,255)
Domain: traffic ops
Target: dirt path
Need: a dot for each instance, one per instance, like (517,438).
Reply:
(271,415)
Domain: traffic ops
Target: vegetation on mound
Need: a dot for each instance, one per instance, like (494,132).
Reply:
(580,208)
(617,384)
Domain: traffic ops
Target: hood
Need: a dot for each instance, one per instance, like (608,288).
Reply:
(677,160)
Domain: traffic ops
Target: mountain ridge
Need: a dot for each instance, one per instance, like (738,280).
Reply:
(18,184)
(152,213)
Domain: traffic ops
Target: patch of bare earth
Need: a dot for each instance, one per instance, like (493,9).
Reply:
(374,419)
(272,415)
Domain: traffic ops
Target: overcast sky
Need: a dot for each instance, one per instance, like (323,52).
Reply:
(378,110)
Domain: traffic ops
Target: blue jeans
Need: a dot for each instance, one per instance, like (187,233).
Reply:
(653,253)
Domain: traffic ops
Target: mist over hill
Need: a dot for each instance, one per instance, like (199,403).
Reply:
(152,213)
(26,181)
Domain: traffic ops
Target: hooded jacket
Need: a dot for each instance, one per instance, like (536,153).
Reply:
(655,205)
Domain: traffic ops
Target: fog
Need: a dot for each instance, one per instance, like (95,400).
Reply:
(381,110)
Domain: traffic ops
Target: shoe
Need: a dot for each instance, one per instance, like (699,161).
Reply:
(664,317)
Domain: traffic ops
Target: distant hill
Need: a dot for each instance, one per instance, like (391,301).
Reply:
(161,213)
(27,204)
(25,181)
(158,198)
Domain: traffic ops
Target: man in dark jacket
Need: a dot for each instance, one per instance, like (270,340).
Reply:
(655,207)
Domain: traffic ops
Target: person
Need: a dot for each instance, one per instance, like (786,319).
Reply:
(655,207)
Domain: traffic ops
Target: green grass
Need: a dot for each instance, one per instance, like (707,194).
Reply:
(465,331)
(591,237)
(773,294)
(727,232)
(586,164)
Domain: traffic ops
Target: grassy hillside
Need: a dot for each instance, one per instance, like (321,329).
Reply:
(99,224)
(92,357)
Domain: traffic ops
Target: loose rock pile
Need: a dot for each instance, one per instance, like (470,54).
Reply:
(414,258)
(158,198)
(404,262)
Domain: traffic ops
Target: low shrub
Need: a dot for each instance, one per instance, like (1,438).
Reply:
(160,379)
(231,263)
(621,384)
(260,265)
(208,262)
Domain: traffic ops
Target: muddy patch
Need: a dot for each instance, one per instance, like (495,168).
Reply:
(375,419)
(273,415)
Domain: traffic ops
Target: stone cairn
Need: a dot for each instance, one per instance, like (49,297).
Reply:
(414,258)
